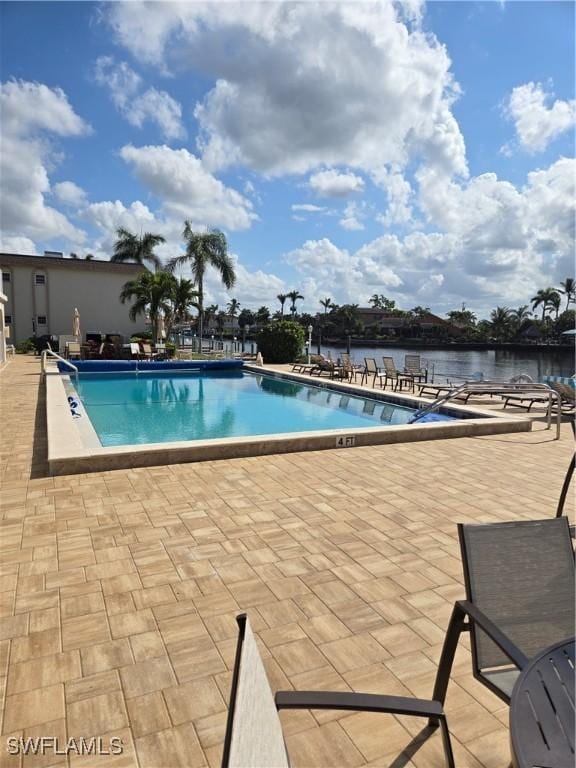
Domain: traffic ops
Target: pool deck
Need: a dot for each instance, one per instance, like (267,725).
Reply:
(119,590)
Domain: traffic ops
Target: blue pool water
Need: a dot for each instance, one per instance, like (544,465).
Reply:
(127,409)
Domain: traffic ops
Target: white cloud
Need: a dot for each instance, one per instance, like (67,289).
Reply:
(308,208)
(69,193)
(30,113)
(17,245)
(538,120)
(331,183)
(352,217)
(399,194)
(299,86)
(135,104)
(186,189)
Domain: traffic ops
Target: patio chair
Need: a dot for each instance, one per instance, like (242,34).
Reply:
(135,351)
(567,394)
(519,581)
(371,369)
(326,367)
(147,351)
(395,376)
(413,366)
(254,737)
(567,480)
(73,350)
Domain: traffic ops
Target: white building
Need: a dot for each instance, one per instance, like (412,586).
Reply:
(42,291)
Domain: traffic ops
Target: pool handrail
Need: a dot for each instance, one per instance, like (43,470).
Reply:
(497,388)
(50,351)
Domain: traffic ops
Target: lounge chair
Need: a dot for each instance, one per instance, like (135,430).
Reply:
(519,599)
(413,366)
(135,352)
(567,480)
(254,737)
(147,351)
(371,369)
(349,370)
(395,376)
(326,367)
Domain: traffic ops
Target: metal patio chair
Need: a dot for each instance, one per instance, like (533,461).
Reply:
(413,366)
(395,375)
(254,737)
(371,369)
(519,580)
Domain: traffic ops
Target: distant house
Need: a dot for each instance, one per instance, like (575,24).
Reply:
(42,291)
(382,321)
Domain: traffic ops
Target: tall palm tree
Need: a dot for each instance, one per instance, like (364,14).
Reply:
(568,288)
(183,298)
(152,293)
(326,303)
(293,296)
(282,299)
(210,313)
(130,247)
(547,298)
(203,250)
(232,307)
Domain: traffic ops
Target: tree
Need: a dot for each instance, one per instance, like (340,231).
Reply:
(293,296)
(152,293)
(418,312)
(379,301)
(130,247)
(232,307)
(281,342)
(221,318)
(500,322)
(262,316)
(326,303)
(203,250)
(462,317)
(568,288)
(282,299)
(246,317)
(346,320)
(184,297)
(547,298)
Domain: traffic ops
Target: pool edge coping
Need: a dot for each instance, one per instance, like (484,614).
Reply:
(69,453)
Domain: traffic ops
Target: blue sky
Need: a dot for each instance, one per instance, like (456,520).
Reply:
(422,151)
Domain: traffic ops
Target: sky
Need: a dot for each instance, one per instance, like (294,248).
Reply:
(424,151)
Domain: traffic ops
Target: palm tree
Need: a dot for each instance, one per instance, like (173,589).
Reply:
(152,292)
(326,303)
(221,322)
(262,316)
(184,297)
(232,307)
(282,299)
(293,296)
(203,250)
(548,298)
(210,313)
(568,288)
(130,247)
(500,321)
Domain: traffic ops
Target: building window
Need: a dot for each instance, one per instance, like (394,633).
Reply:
(41,320)
(40,279)
(8,319)
(6,277)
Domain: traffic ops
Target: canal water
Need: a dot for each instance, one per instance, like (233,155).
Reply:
(463,363)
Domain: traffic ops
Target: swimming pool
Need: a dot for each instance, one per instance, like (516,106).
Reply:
(118,414)
(163,406)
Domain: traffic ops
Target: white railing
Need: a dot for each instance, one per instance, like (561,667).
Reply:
(50,352)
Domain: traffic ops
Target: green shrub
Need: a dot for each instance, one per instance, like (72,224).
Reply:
(281,342)
(23,347)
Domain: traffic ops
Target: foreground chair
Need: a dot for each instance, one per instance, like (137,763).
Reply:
(413,366)
(254,737)
(520,599)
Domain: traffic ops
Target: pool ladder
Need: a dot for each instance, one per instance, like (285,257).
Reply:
(50,352)
(497,388)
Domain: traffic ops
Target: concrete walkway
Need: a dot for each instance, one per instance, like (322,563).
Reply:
(118,590)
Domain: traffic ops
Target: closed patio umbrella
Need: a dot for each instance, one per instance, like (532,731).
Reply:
(76,324)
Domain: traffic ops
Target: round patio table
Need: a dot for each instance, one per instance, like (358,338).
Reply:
(542,710)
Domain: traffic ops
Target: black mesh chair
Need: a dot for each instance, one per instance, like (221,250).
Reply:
(254,737)
(520,599)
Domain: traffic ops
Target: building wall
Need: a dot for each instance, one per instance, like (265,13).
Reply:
(3,300)
(42,293)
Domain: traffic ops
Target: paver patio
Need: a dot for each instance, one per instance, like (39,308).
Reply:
(118,590)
